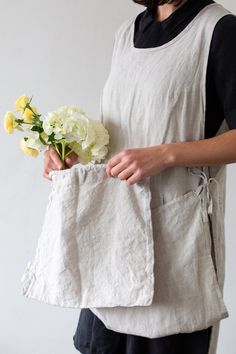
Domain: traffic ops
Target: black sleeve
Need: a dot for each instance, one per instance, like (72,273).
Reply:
(222,60)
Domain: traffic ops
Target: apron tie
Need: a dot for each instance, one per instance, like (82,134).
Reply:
(208,204)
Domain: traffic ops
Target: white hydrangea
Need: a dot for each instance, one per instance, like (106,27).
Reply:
(98,152)
(87,137)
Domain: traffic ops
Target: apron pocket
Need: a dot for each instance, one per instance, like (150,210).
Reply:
(96,246)
(185,276)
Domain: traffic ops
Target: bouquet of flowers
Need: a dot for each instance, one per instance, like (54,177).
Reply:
(67,129)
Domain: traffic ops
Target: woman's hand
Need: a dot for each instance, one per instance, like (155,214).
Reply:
(134,164)
(53,162)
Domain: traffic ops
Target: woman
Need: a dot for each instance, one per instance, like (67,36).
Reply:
(162,23)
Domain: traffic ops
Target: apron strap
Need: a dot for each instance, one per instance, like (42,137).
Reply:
(203,173)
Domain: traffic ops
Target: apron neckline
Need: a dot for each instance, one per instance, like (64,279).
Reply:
(172,41)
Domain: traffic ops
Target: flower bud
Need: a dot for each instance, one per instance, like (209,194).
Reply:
(21,102)
(9,122)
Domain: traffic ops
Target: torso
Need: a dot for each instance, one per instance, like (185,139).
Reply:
(151,33)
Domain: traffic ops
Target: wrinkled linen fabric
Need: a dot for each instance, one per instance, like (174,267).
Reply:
(96,244)
(157,96)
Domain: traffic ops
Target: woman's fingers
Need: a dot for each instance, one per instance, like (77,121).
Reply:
(49,166)
(46,174)
(72,159)
(56,159)
(53,162)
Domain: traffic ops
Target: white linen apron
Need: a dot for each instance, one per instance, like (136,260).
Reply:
(96,245)
(154,96)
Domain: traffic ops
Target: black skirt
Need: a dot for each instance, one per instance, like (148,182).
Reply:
(92,337)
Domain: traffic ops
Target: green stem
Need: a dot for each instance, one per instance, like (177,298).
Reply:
(30,108)
(63,150)
(42,140)
(58,152)
(21,121)
(68,152)
(35,115)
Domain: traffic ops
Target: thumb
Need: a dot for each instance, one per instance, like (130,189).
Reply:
(68,162)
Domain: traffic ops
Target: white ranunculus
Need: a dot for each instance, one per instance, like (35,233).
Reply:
(34,142)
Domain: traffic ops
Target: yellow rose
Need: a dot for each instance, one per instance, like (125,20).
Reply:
(21,102)
(27,150)
(28,114)
(9,122)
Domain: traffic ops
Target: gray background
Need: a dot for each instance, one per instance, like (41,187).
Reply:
(60,52)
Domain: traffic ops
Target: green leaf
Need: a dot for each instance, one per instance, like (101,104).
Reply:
(31,99)
(36,128)
(51,137)
(19,120)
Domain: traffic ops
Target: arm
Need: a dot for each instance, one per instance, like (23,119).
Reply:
(132,165)
(220,149)
(213,151)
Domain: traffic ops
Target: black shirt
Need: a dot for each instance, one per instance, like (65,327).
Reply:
(221,68)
